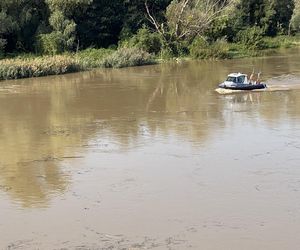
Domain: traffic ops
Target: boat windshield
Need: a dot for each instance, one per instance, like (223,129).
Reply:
(240,79)
(231,79)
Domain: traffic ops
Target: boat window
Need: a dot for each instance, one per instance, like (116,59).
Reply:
(241,79)
(231,79)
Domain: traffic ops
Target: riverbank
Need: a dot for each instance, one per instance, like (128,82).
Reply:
(30,65)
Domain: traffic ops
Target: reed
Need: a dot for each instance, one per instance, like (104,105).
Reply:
(92,58)
(39,66)
(127,57)
(30,66)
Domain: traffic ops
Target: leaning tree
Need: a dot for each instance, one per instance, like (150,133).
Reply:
(186,19)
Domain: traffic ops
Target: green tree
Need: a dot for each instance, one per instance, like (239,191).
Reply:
(136,17)
(295,20)
(20,20)
(272,16)
(63,26)
(187,19)
(68,7)
(6,26)
(100,24)
(278,14)
(61,38)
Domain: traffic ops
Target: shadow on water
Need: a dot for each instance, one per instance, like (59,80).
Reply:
(48,123)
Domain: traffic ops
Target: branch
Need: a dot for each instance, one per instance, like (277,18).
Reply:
(180,15)
(152,19)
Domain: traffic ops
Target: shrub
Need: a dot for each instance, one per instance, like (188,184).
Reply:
(146,40)
(93,58)
(50,44)
(220,49)
(201,49)
(166,53)
(127,57)
(251,37)
(198,48)
(178,48)
(280,42)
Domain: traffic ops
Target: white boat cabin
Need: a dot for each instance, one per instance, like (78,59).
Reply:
(237,78)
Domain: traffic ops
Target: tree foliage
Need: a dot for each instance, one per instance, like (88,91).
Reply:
(188,18)
(55,26)
(295,20)
(272,16)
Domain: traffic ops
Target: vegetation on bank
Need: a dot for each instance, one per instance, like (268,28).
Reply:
(35,67)
(30,66)
(109,58)
(98,33)
(222,49)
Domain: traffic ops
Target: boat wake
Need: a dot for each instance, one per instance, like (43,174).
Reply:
(223,91)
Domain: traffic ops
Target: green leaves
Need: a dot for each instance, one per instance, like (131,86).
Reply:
(295,21)
(67,6)
(272,16)
(251,37)
(61,38)
(61,25)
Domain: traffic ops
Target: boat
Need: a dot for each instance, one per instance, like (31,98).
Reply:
(239,81)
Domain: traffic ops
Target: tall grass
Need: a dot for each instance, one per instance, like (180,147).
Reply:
(281,42)
(127,57)
(39,66)
(29,66)
(108,58)
(92,58)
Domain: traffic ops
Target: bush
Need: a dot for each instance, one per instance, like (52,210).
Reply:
(201,49)
(146,40)
(93,58)
(178,48)
(220,49)
(127,57)
(166,53)
(50,44)
(280,42)
(198,48)
(39,66)
(251,37)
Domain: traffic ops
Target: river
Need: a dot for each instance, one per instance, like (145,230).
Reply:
(152,158)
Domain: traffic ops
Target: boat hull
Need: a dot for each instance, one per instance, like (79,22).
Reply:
(244,86)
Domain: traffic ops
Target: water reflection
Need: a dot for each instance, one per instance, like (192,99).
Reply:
(48,121)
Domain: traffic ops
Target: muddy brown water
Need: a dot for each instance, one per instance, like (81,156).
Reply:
(152,158)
